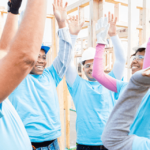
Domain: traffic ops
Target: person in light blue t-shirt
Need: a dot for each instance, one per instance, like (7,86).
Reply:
(35,99)
(93,102)
(116,134)
(15,64)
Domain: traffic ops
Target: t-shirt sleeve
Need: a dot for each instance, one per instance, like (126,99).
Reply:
(1,115)
(54,74)
(120,88)
(141,143)
(111,74)
(73,89)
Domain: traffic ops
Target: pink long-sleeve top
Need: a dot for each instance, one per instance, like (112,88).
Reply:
(98,69)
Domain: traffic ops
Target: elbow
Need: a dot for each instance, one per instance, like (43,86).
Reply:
(105,140)
(29,61)
(108,140)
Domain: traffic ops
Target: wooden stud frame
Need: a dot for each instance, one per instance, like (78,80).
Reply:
(97,8)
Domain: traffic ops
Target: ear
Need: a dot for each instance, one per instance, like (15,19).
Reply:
(83,68)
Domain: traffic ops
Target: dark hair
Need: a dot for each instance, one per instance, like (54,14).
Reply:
(139,50)
(43,50)
(83,63)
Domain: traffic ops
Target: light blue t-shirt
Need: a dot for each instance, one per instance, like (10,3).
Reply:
(93,103)
(141,143)
(141,124)
(13,135)
(36,102)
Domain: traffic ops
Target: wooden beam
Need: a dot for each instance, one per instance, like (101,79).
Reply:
(125,3)
(95,10)
(122,33)
(117,10)
(146,20)
(141,31)
(83,3)
(61,140)
(125,25)
(131,32)
(74,7)
(3,9)
(67,109)
(50,16)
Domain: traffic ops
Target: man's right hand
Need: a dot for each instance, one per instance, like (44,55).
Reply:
(74,26)
(112,29)
(14,5)
(60,12)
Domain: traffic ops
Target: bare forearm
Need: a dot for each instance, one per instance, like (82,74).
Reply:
(24,48)
(9,31)
(30,34)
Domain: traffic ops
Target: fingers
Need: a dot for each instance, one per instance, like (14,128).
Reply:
(81,25)
(61,3)
(54,2)
(146,73)
(108,16)
(112,17)
(77,18)
(53,7)
(115,20)
(66,4)
(58,2)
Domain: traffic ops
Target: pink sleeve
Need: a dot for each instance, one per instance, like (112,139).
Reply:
(98,70)
(147,56)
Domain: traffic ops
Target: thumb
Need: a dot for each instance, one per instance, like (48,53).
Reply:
(53,7)
(81,25)
(68,21)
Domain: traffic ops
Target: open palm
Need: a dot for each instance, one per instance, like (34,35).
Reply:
(60,12)
(74,26)
(112,22)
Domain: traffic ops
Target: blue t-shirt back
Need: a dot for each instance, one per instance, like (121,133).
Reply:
(93,103)
(13,135)
(36,102)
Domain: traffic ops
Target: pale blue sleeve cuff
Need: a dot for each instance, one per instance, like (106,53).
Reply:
(114,39)
(64,34)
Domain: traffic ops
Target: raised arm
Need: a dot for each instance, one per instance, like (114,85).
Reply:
(115,135)
(147,56)
(74,29)
(10,27)
(62,61)
(24,48)
(120,61)
(98,69)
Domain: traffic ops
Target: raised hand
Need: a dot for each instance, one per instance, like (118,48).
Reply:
(74,26)
(102,27)
(14,5)
(146,73)
(112,21)
(60,12)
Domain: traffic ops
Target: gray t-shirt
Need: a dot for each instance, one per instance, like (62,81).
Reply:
(116,133)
